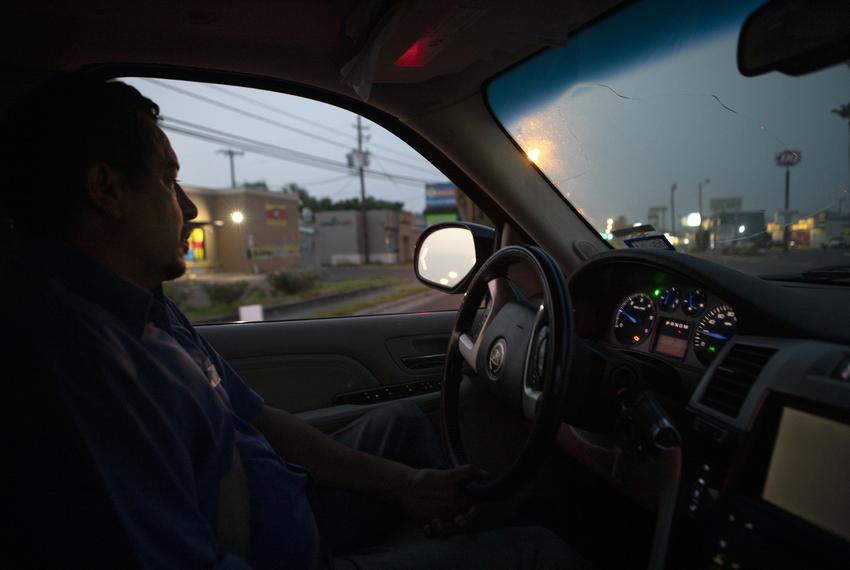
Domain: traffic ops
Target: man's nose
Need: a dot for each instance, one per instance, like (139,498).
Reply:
(190,211)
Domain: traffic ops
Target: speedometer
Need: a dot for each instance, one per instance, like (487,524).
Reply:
(714,330)
(634,319)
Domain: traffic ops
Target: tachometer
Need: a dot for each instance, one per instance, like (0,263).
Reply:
(714,330)
(634,319)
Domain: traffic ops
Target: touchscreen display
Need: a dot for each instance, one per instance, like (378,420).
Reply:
(672,338)
(809,471)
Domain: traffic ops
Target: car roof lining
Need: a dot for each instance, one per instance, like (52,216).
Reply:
(303,41)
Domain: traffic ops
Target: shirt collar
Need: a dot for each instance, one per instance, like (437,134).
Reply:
(93,281)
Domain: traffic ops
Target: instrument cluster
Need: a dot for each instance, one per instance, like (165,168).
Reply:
(678,322)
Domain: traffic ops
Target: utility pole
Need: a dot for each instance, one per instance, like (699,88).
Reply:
(672,210)
(707,180)
(786,230)
(787,159)
(231,153)
(361,163)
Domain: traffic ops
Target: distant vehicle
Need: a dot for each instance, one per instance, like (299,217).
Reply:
(837,242)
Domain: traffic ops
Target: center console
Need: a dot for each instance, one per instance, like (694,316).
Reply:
(769,487)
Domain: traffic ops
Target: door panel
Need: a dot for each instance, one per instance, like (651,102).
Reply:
(332,370)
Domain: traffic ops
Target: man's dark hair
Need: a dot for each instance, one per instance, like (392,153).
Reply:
(55,133)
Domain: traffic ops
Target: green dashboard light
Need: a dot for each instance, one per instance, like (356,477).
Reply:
(712,349)
(657,292)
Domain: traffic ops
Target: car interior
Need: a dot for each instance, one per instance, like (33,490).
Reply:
(656,409)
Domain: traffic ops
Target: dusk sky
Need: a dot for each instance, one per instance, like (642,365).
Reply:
(615,140)
(202,164)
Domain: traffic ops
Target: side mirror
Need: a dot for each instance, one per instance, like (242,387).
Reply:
(448,254)
(794,37)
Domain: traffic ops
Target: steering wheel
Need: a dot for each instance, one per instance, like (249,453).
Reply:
(521,352)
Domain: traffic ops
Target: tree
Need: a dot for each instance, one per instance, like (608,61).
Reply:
(326,204)
(258,185)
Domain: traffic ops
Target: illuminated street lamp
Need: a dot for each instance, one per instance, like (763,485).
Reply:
(237,217)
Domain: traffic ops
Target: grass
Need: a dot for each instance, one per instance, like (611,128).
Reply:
(270,299)
(399,292)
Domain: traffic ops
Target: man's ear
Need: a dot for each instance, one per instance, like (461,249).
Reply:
(104,186)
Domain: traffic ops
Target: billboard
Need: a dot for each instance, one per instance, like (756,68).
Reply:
(431,219)
(725,204)
(440,195)
(275,215)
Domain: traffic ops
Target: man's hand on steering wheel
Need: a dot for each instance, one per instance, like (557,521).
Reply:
(435,498)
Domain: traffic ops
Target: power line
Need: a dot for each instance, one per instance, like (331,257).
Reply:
(273,151)
(277,124)
(247,113)
(402,163)
(341,190)
(216,135)
(298,118)
(393,151)
(381,164)
(326,181)
(279,111)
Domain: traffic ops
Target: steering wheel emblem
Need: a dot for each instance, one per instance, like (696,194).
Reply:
(496,360)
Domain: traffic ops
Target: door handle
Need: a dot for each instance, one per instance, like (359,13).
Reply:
(419,362)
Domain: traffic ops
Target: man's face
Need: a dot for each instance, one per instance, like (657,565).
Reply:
(159,212)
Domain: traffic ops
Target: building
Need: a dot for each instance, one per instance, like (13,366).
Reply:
(392,236)
(829,229)
(735,230)
(247,229)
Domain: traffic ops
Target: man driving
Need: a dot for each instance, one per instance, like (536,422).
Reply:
(195,469)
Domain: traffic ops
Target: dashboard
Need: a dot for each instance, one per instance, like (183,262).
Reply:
(755,375)
(681,322)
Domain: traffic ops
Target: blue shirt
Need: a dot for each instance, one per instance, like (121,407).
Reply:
(160,413)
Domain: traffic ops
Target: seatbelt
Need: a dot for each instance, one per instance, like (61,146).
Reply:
(234,512)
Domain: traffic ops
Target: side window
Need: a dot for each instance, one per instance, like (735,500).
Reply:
(283,231)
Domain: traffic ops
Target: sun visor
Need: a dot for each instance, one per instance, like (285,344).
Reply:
(417,40)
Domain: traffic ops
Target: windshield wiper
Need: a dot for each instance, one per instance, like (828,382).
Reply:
(826,274)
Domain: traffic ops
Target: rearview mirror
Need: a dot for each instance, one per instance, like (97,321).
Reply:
(448,254)
(794,37)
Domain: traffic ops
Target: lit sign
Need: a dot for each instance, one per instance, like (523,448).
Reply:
(275,215)
(197,245)
(441,195)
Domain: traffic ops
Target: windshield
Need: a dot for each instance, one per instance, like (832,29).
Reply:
(644,118)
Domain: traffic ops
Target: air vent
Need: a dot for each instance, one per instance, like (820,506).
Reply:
(733,378)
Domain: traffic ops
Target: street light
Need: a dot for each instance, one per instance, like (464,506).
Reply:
(237,217)
(700,185)
(672,209)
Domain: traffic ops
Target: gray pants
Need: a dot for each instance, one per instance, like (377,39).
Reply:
(359,532)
